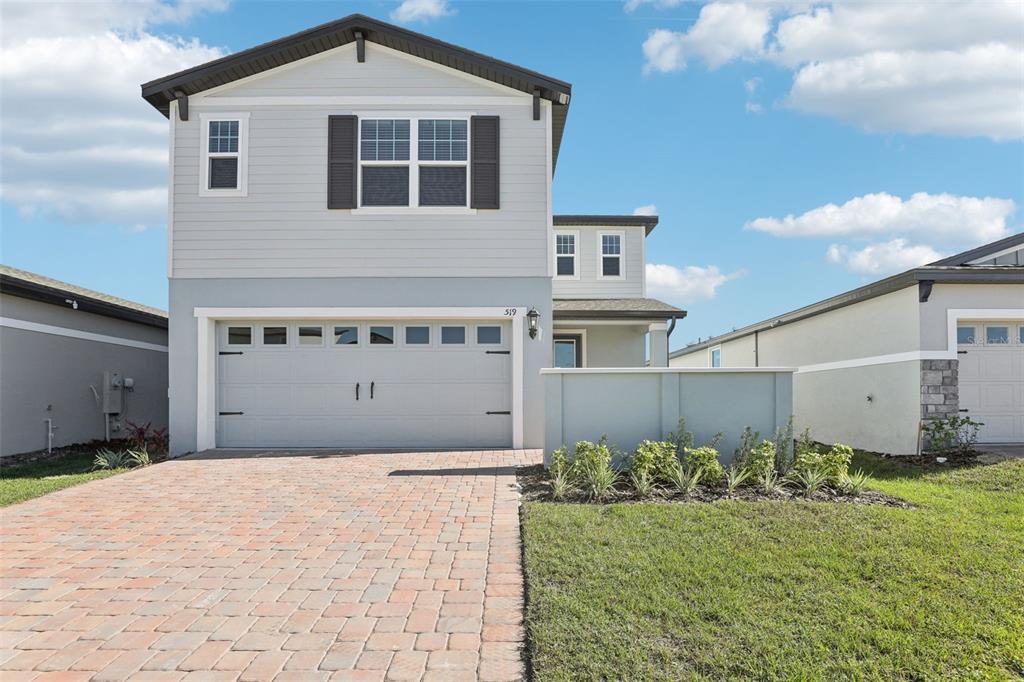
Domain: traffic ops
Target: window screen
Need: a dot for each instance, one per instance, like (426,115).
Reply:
(442,185)
(385,185)
(442,140)
(384,140)
(224,172)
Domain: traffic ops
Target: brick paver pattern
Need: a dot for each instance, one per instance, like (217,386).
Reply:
(305,566)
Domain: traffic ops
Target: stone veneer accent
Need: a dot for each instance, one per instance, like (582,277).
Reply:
(940,396)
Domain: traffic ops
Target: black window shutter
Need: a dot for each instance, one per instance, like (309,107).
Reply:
(342,136)
(484,160)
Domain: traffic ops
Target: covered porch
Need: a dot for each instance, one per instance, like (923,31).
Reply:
(612,332)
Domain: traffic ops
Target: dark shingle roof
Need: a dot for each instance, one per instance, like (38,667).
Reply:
(31,285)
(965,257)
(615,308)
(645,221)
(161,92)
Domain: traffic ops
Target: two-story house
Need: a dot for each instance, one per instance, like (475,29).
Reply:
(362,251)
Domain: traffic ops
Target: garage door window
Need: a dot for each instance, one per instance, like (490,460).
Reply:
(488,335)
(346,336)
(417,336)
(997,335)
(382,336)
(311,336)
(453,335)
(275,336)
(965,335)
(239,336)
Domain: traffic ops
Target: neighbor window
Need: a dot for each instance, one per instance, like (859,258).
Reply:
(346,336)
(716,357)
(275,336)
(611,255)
(414,162)
(382,336)
(453,335)
(965,335)
(417,336)
(997,335)
(223,159)
(311,336)
(239,336)
(488,335)
(565,254)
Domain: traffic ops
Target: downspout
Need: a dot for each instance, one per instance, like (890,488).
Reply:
(668,340)
(757,357)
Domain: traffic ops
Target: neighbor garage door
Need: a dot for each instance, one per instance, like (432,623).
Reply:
(991,377)
(364,384)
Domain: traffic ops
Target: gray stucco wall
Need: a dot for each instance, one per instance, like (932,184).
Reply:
(647,403)
(46,375)
(187,294)
(934,335)
(612,345)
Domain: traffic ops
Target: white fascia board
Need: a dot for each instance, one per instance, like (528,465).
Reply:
(360,313)
(667,370)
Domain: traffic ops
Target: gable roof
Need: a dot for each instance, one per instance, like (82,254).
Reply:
(648,222)
(27,284)
(161,91)
(966,257)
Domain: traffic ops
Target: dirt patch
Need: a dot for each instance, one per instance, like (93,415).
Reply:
(534,486)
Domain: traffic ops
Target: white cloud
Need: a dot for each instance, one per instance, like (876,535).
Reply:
(900,67)
(646,209)
(883,258)
(421,10)
(633,5)
(945,218)
(689,284)
(723,32)
(108,162)
(752,86)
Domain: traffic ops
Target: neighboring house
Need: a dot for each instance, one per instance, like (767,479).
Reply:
(363,254)
(75,364)
(943,339)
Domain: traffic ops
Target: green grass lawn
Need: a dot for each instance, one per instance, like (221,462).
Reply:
(785,590)
(23,482)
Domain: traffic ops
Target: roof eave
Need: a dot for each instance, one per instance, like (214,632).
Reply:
(38,292)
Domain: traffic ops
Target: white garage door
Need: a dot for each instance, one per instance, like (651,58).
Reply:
(991,377)
(364,384)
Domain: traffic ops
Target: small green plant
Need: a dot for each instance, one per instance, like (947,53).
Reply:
(643,484)
(748,440)
(597,480)
(111,459)
(810,480)
(706,459)
(833,463)
(784,448)
(952,435)
(770,483)
(761,459)
(855,483)
(560,463)
(735,476)
(654,460)
(684,480)
(561,486)
(139,458)
(681,438)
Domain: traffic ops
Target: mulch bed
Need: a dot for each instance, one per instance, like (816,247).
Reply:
(533,484)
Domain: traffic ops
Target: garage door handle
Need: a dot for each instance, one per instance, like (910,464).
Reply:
(499,412)
(357,390)
(371,390)
(223,414)
(963,409)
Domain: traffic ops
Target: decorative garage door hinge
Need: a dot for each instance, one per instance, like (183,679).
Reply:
(230,352)
(497,352)
(499,412)
(229,413)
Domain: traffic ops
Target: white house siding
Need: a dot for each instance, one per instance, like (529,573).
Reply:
(589,285)
(283,228)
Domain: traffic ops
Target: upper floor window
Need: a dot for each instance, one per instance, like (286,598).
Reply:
(224,147)
(610,255)
(414,162)
(565,255)
(716,356)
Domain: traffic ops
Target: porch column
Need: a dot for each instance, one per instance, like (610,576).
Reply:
(658,344)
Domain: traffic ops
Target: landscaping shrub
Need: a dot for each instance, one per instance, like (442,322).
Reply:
(706,460)
(748,440)
(784,448)
(560,463)
(144,437)
(111,459)
(684,480)
(952,435)
(654,459)
(855,483)
(810,480)
(832,464)
(139,458)
(761,459)
(735,476)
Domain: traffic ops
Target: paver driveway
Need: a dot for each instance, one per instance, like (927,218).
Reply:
(309,566)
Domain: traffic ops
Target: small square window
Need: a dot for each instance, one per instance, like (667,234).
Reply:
(997,335)
(453,335)
(382,336)
(965,335)
(239,336)
(275,336)
(311,336)
(417,336)
(346,336)
(488,335)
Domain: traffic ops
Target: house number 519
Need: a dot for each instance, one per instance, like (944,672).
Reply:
(510,312)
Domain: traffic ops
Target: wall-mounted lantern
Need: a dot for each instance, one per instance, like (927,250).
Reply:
(533,319)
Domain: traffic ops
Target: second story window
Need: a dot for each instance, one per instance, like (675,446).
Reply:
(565,255)
(414,162)
(224,142)
(610,255)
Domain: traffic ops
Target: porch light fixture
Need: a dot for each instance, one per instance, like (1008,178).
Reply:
(532,319)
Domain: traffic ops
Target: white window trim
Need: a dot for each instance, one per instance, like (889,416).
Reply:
(621,234)
(243,154)
(413,163)
(575,256)
(582,333)
(711,357)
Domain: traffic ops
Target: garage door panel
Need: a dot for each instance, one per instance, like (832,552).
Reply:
(991,383)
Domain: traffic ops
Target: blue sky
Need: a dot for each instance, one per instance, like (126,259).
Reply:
(727,117)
